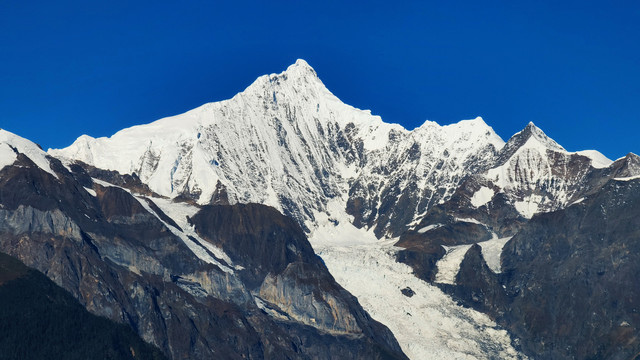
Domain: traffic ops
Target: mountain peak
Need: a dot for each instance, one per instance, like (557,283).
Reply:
(298,77)
(532,131)
(530,136)
(300,69)
(302,63)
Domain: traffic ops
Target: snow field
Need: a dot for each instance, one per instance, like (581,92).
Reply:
(31,150)
(428,325)
(449,265)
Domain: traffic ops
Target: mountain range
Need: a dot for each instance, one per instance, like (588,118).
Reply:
(283,223)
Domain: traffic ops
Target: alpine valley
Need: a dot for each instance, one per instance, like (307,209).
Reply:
(285,224)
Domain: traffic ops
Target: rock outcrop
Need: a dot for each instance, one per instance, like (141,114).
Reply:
(122,257)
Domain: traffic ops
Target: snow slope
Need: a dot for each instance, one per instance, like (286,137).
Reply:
(538,174)
(10,141)
(288,142)
(429,324)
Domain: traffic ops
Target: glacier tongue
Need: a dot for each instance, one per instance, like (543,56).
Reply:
(428,324)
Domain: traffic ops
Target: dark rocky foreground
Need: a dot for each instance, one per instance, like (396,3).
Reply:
(571,278)
(40,320)
(122,262)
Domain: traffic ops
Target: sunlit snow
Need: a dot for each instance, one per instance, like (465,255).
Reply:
(482,196)
(449,265)
(22,145)
(491,250)
(428,325)
(598,160)
(429,227)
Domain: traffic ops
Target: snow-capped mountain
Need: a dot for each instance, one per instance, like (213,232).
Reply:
(455,203)
(231,282)
(288,142)
(248,259)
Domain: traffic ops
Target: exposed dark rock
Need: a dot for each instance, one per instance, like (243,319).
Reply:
(128,181)
(422,250)
(220,195)
(408,292)
(569,286)
(121,262)
(477,286)
(573,278)
(422,257)
(40,320)
(281,267)
(255,236)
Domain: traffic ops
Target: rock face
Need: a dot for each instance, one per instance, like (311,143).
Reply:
(531,174)
(567,287)
(40,320)
(122,257)
(571,276)
(282,270)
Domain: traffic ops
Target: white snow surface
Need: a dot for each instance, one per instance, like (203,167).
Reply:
(7,155)
(429,227)
(22,145)
(598,160)
(482,196)
(578,201)
(179,212)
(491,250)
(468,220)
(629,178)
(529,206)
(428,325)
(288,142)
(449,265)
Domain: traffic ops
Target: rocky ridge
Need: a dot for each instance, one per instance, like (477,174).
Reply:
(128,257)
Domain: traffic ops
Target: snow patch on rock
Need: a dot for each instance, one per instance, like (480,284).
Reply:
(429,227)
(9,140)
(598,160)
(491,251)
(468,220)
(449,265)
(180,212)
(482,196)
(627,178)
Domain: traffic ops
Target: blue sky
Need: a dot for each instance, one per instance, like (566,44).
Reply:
(571,67)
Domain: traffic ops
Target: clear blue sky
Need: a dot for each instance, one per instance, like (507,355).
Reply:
(571,67)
